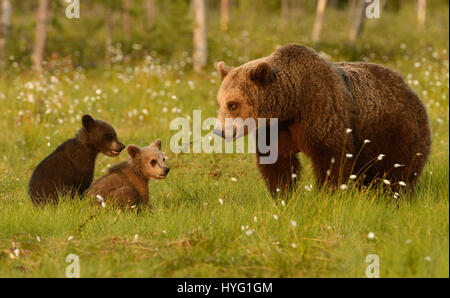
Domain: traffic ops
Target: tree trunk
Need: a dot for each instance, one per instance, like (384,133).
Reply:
(108,38)
(151,12)
(40,39)
(318,23)
(200,54)
(421,13)
(284,11)
(296,8)
(224,14)
(6,16)
(126,18)
(358,23)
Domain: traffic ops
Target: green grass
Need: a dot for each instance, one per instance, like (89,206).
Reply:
(188,232)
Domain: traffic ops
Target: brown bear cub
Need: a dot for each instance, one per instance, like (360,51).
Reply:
(69,170)
(126,184)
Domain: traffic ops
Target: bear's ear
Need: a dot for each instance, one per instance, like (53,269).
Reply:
(223,69)
(88,122)
(262,73)
(156,144)
(133,150)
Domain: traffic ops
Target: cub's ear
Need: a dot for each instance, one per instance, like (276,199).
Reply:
(156,144)
(133,150)
(88,122)
(262,73)
(223,69)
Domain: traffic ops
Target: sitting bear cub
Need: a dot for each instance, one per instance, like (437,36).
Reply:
(69,170)
(126,184)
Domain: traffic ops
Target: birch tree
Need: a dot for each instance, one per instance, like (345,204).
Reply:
(421,13)
(224,14)
(200,52)
(318,23)
(358,23)
(40,37)
(151,12)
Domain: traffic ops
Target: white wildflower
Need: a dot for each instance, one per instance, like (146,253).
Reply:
(371,235)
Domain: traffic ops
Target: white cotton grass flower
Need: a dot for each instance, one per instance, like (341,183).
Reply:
(255,219)
(349,155)
(408,241)
(293,223)
(427,258)
(371,235)
(103,204)
(308,187)
(366,141)
(38,238)
(397,165)
(249,232)
(343,186)
(220,201)
(136,237)
(278,190)
(16,252)
(333,160)
(99,198)
(294,245)
(348,130)
(387,182)
(275,217)
(353,177)
(381,156)
(401,183)
(283,203)
(70,238)
(419,154)
(233,179)
(294,176)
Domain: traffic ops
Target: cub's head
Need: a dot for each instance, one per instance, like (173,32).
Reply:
(242,89)
(149,161)
(102,136)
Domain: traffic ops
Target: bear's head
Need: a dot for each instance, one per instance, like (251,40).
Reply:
(240,94)
(149,162)
(101,135)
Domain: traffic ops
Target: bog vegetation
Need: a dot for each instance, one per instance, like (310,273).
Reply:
(212,216)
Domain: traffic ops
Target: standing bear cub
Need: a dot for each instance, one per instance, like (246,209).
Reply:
(351,119)
(126,184)
(69,170)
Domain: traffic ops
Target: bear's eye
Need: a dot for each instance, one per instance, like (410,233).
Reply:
(109,136)
(153,162)
(232,106)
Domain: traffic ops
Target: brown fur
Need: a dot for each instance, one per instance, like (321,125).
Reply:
(126,184)
(69,169)
(315,102)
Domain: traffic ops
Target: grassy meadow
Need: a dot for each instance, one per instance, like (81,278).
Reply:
(213,216)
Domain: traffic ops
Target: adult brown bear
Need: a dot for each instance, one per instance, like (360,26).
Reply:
(350,119)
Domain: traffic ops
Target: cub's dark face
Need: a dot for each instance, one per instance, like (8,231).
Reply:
(102,136)
(149,161)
